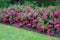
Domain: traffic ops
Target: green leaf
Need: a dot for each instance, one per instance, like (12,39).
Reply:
(43,27)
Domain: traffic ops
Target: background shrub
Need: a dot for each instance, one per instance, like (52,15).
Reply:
(5,3)
(44,2)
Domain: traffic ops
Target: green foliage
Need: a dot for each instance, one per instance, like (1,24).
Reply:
(43,2)
(33,4)
(1,16)
(6,3)
(57,2)
(57,7)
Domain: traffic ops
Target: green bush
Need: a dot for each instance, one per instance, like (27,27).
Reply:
(57,7)
(6,3)
(44,2)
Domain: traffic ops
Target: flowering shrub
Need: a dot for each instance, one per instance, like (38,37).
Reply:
(43,19)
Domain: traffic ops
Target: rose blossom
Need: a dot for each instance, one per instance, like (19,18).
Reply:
(57,13)
(19,25)
(48,27)
(15,19)
(43,10)
(38,26)
(4,11)
(28,25)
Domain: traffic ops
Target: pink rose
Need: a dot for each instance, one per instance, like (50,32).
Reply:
(43,10)
(26,21)
(44,16)
(56,21)
(28,25)
(4,11)
(38,26)
(7,15)
(57,26)
(28,7)
(48,34)
(25,10)
(31,19)
(51,21)
(57,13)
(11,11)
(11,23)
(19,25)
(38,18)
(48,30)
(20,6)
(15,19)
(48,27)
(4,20)
(17,14)
(11,8)
(52,34)
(30,14)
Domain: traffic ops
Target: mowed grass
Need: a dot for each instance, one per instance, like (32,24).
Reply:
(11,33)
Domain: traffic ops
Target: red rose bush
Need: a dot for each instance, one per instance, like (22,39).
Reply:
(43,19)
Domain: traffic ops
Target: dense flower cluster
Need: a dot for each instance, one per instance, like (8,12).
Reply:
(43,19)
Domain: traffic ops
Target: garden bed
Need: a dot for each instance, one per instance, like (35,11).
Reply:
(38,19)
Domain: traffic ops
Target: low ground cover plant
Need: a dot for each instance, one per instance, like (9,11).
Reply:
(43,19)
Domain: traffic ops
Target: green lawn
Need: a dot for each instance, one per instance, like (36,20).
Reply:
(12,33)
